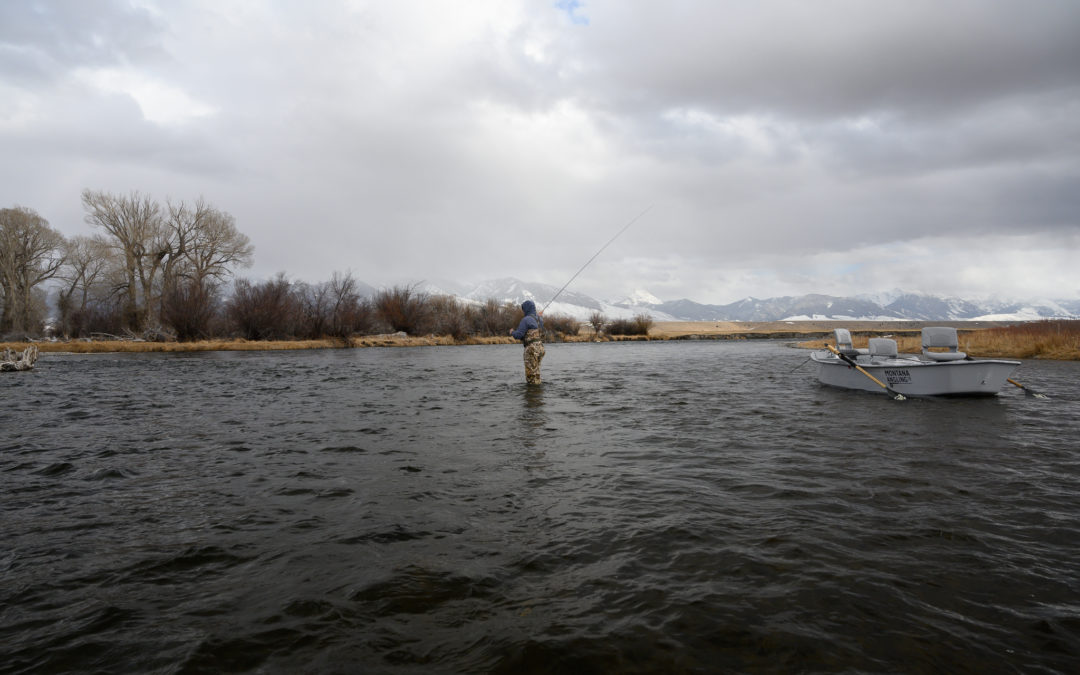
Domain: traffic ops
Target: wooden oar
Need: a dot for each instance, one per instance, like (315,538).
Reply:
(1027,390)
(896,395)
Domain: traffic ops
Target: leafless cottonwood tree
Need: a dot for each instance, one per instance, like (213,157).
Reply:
(180,254)
(202,246)
(31,253)
(86,263)
(134,229)
(203,243)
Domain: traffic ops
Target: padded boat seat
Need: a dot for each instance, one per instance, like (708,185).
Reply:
(843,343)
(882,348)
(941,337)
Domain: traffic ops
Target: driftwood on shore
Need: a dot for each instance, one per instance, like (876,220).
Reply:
(11,360)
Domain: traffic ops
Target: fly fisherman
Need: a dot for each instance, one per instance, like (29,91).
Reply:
(528,331)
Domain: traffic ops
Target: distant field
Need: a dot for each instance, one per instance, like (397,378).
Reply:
(668,329)
(1053,339)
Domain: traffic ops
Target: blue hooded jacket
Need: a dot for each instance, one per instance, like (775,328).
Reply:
(530,320)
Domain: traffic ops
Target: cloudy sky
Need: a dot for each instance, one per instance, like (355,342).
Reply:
(783,147)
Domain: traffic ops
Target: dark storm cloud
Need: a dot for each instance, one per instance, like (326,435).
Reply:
(778,141)
(811,124)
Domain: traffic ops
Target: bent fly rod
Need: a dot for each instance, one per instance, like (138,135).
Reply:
(625,227)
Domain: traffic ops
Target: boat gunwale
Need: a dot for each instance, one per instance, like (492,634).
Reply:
(826,358)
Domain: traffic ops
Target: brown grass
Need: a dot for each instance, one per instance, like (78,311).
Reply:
(241,345)
(1057,340)
(106,346)
(1036,340)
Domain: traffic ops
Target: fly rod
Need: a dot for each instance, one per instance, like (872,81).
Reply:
(625,227)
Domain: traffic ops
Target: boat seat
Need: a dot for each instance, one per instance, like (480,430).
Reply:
(843,343)
(941,337)
(883,348)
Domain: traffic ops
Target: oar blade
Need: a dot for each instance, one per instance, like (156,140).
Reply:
(1028,391)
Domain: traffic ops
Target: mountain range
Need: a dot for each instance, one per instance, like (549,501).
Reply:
(893,306)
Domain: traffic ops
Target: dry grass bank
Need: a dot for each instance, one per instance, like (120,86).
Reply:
(1058,340)
(240,345)
(1041,339)
(107,346)
(672,329)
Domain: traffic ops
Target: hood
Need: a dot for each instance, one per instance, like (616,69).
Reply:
(529,307)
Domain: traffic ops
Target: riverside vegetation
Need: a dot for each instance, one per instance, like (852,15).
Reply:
(1051,339)
(162,277)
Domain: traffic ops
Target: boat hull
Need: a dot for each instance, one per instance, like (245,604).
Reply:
(914,377)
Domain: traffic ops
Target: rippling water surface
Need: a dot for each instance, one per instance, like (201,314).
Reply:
(653,507)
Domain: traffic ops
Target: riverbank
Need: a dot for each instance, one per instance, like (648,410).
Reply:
(1044,339)
(135,346)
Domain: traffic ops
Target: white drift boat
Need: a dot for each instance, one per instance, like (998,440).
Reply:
(933,373)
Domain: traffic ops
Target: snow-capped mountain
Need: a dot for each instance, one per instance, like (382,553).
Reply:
(569,303)
(899,306)
(638,298)
(517,291)
(890,306)
(443,287)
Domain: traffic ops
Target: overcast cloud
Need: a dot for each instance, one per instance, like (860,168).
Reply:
(785,147)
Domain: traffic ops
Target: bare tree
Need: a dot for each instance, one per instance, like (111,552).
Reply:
(86,263)
(203,243)
(311,306)
(597,321)
(348,313)
(135,230)
(160,248)
(200,247)
(219,248)
(31,253)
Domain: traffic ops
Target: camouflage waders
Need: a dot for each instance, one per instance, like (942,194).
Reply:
(534,354)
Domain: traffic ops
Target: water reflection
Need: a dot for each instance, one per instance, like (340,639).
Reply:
(533,415)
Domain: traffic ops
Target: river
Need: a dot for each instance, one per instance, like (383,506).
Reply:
(652,507)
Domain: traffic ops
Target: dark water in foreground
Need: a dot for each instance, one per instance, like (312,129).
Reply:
(654,507)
